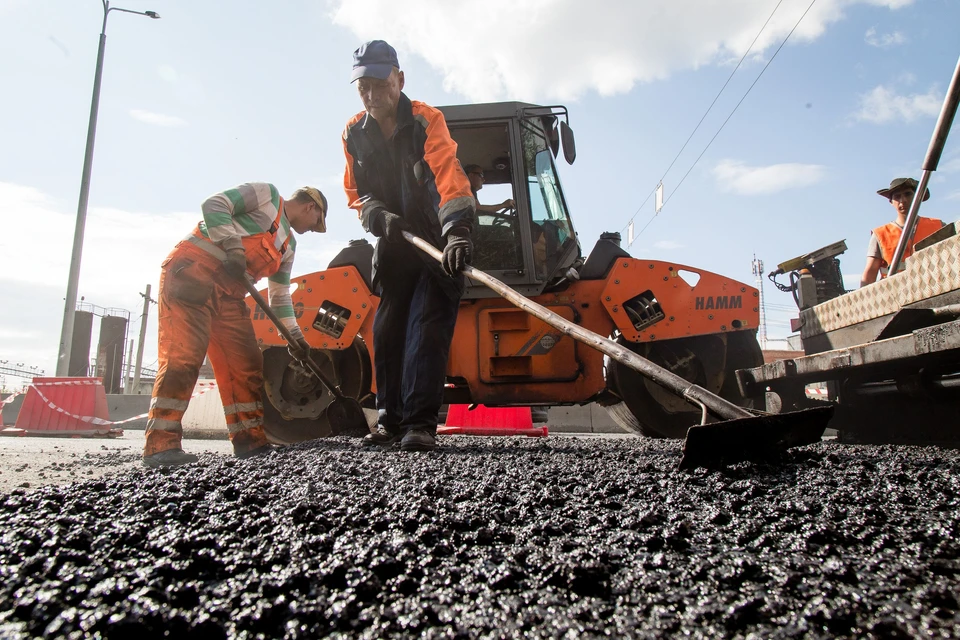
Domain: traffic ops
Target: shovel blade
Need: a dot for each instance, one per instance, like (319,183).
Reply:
(757,438)
(346,418)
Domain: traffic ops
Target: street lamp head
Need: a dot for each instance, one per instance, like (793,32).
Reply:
(152,14)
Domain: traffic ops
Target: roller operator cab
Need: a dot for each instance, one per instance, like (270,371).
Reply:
(515,144)
(698,324)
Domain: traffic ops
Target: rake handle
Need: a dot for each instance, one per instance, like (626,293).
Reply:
(309,361)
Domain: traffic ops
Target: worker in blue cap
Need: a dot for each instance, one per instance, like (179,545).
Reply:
(402,173)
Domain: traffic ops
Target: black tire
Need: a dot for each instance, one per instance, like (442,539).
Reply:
(352,371)
(286,432)
(743,352)
(646,409)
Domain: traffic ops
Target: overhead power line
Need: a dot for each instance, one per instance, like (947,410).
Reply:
(749,89)
(707,112)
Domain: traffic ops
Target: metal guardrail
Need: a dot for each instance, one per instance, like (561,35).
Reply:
(21,373)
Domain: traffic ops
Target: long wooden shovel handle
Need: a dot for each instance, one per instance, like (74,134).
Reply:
(691,392)
(282,328)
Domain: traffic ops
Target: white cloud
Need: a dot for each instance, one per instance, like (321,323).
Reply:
(953,195)
(737,177)
(891,4)
(883,40)
(906,78)
(11,333)
(168,73)
(122,250)
(157,119)
(563,48)
(10,6)
(950,165)
(882,105)
(667,245)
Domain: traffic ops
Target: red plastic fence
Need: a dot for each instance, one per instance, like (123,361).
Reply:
(65,407)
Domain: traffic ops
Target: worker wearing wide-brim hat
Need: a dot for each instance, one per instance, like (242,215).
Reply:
(884,239)
(246,232)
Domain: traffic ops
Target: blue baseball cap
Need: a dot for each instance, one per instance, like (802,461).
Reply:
(374,59)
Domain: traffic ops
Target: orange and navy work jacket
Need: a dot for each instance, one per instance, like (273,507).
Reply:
(415,174)
(889,235)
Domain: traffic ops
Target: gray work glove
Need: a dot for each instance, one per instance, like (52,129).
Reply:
(299,349)
(459,251)
(236,263)
(390,226)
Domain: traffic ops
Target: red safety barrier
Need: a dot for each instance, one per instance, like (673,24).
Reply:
(532,432)
(490,421)
(65,407)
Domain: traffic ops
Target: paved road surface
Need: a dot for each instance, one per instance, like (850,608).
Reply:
(34,462)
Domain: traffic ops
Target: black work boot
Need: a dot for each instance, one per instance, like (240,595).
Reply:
(418,440)
(169,458)
(381,438)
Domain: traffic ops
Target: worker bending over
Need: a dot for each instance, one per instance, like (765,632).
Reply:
(884,239)
(402,173)
(246,232)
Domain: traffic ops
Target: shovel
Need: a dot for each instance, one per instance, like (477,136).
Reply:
(705,445)
(345,414)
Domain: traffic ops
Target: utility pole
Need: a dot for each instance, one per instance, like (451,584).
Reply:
(757,266)
(143,334)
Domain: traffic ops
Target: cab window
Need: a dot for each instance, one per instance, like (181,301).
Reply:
(551,231)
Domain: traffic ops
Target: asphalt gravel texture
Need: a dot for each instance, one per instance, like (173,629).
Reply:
(557,537)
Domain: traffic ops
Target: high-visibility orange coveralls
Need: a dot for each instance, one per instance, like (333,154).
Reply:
(202,311)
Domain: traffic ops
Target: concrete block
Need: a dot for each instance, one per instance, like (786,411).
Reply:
(127,406)
(10,411)
(590,418)
(205,412)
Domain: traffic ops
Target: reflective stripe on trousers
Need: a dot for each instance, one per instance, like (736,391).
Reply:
(221,329)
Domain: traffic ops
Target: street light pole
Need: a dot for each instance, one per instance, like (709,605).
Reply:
(70,304)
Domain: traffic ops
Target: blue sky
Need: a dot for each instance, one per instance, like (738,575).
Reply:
(210,96)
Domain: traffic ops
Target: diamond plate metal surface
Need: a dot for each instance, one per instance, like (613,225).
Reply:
(929,272)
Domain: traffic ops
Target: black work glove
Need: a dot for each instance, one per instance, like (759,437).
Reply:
(458,252)
(299,349)
(236,263)
(390,226)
